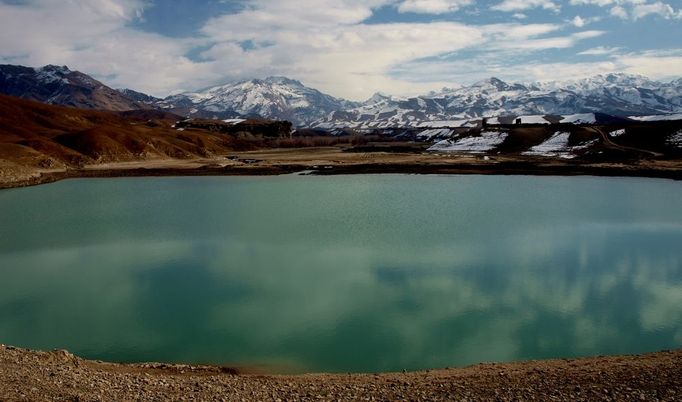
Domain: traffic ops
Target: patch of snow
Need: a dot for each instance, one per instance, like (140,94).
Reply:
(180,129)
(617,133)
(581,118)
(584,145)
(658,117)
(675,139)
(234,121)
(50,75)
(435,133)
(557,146)
(299,104)
(485,142)
(532,119)
(443,123)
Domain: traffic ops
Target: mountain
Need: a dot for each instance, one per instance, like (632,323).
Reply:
(280,98)
(612,94)
(272,98)
(59,85)
(139,96)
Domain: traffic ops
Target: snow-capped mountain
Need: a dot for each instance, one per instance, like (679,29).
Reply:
(613,94)
(281,98)
(273,98)
(61,86)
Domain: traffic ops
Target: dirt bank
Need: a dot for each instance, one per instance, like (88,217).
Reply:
(37,376)
(333,160)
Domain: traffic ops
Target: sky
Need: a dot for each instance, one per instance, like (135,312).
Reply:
(347,48)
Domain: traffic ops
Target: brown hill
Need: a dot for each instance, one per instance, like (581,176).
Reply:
(37,135)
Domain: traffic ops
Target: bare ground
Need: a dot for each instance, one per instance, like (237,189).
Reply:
(46,376)
(333,160)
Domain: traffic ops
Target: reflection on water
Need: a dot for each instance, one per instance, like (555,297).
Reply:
(350,273)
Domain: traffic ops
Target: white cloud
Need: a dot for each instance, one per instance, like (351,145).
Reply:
(661,65)
(558,42)
(600,3)
(578,21)
(599,51)
(654,64)
(636,9)
(324,43)
(432,6)
(519,5)
(93,37)
(619,12)
(349,60)
(662,9)
(352,60)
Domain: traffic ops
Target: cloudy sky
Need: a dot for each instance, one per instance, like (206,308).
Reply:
(348,48)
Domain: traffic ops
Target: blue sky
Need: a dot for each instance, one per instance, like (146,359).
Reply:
(348,48)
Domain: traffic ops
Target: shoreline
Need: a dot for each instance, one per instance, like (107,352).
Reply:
(461,166)
(34,375)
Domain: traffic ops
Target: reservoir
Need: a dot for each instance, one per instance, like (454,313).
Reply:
(358,273)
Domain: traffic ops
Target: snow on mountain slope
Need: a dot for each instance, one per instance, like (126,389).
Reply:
(660,117)
(433,133)
(533,119)
(487,141)
(557,145)
(581,118)
(449,123)
(675,139)
(613,94)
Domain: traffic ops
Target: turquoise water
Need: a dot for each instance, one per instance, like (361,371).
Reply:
(345,273)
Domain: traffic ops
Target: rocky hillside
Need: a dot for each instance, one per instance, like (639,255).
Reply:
(61,86)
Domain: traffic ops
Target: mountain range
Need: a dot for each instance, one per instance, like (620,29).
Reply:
(281,98)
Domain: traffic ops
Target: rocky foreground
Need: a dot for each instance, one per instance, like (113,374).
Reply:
(60,376)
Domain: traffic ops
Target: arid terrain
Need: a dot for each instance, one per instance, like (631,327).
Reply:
(40,376)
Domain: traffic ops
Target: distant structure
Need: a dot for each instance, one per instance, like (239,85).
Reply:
(518,121)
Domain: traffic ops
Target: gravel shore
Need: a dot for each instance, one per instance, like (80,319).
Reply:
(27,375)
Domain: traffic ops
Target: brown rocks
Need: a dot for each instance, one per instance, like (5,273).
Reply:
(58,375)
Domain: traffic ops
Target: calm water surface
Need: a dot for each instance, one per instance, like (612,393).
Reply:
(346,273)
